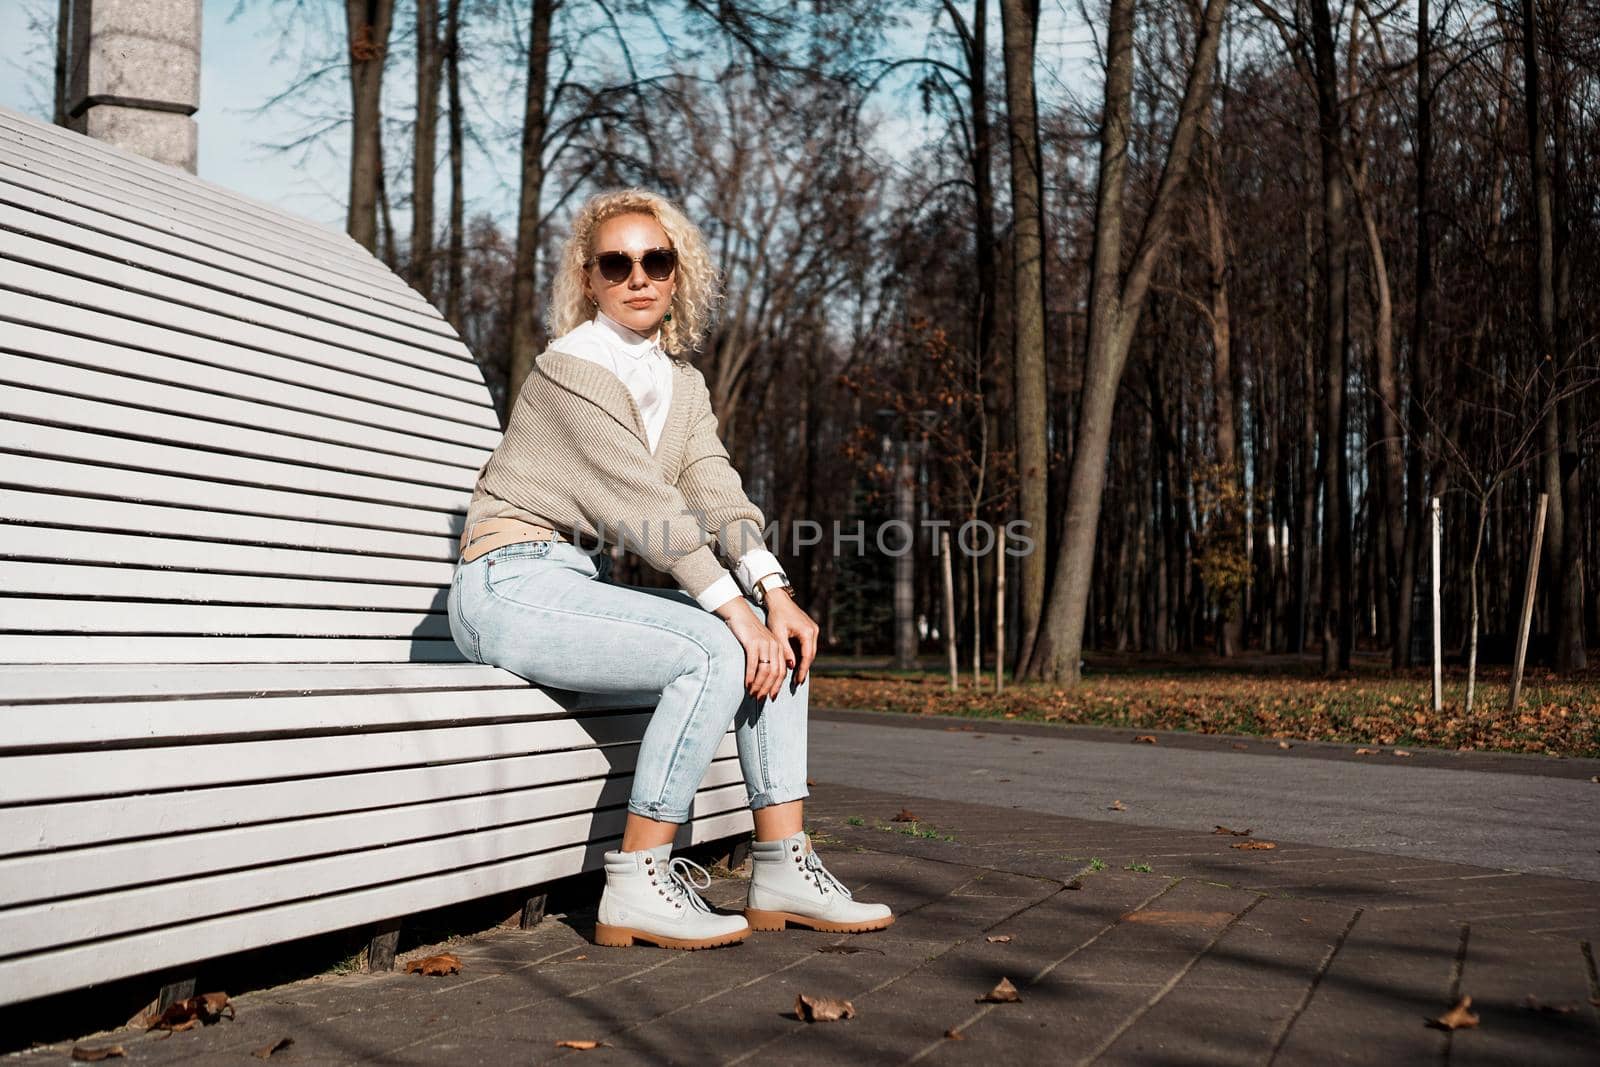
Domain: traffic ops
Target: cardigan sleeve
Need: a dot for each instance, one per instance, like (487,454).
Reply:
(713,489)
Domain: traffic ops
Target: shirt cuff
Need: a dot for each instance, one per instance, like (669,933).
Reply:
(755,565)
(718,593)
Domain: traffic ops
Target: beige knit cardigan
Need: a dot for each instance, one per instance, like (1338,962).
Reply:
(576,457)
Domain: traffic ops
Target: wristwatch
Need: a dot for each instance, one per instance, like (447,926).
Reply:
(767,583)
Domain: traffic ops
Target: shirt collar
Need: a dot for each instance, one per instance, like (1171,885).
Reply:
(632,343)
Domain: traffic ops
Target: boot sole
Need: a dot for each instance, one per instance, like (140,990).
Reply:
(777,920)
(623,936)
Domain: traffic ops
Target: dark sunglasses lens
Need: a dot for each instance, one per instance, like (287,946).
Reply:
(658,263)
(614,266)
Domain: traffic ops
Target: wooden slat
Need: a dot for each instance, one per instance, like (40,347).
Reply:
(49,972)
(65,580)
(110,772)
(68,215)
(141,617)
(92,683)
(77,160)
(104,868)
(88,479)
(150,273)
(31,648)
(448,382)
(82,365)
(62,827)
(226,453)
(193,419)
(349,580)
(119,517)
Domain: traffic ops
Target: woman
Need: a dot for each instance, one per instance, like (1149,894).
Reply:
(612,438)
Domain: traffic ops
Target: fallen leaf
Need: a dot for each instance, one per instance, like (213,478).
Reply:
(1284,744)
(191,1012)
(904,816)
(822,1009)
(1255,844)
(1145,739)
(1002,993)
(1533,1003)
(1117,805)
(582,1045)
(1236,833)
(998,939)
(1457,1018)
(955,1035)
(1369,751)
(1595,778)
(95,1055)
(1401,752)
(435,965)
(1240,745)
(266,1051)
(575,959)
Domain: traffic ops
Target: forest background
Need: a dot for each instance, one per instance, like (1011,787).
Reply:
(1214,296)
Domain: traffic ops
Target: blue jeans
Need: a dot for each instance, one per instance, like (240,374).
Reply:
(548,611)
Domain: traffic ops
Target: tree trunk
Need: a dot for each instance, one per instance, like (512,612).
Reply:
(1337,621)
(457,255)
(526,335)
(430,57)
(1114,306)
(368,23)
(1020,21)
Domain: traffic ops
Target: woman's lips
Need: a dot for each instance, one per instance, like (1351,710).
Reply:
(640,303)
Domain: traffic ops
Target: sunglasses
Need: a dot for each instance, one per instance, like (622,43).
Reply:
(617,267)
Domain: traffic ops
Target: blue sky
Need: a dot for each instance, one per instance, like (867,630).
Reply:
(242,67)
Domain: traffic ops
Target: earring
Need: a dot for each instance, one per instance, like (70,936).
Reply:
(667,317)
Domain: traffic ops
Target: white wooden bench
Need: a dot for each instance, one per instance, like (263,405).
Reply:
(235,457)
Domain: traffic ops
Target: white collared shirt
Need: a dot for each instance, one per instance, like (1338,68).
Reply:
(646,369)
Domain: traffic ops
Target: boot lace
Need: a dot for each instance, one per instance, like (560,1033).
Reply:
(823,878)
(681,883)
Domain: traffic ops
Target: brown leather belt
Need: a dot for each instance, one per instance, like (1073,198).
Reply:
(486,535)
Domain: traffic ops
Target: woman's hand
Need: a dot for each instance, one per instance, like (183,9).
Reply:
(760,679)
(791,625)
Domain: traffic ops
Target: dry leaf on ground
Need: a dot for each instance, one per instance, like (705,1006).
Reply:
(1533,1003)
(1402,752)
(955,1035)
(998,939)
(444,963)
(95,1055)
(904,816)
(193,1011)
(822,1009)
(1284,744)
(266,1051)
(1227,830)
(1255,844)
(1116,805)
(1147,739)
(1003,993)
(1459,1017)
(583,1046)
(1369,751)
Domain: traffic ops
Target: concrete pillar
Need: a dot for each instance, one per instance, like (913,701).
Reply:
(134,76)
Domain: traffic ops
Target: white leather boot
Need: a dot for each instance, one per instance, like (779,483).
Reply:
(649,898)
(789,884)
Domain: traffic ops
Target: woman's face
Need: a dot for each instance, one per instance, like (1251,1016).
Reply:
(639,302)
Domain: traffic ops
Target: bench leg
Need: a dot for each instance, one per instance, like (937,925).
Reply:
(173,992)
(533,911)
(380,950)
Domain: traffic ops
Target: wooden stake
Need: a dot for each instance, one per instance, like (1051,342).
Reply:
(949,610)
(1527,607)
(1000,612)
(1436,525)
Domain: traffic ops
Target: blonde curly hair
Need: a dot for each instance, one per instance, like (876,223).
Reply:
(698,287)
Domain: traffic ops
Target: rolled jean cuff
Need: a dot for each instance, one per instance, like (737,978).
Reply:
(658,812)
(777,795)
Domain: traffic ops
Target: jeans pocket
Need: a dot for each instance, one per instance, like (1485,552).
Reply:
(514,561)
(466,638)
